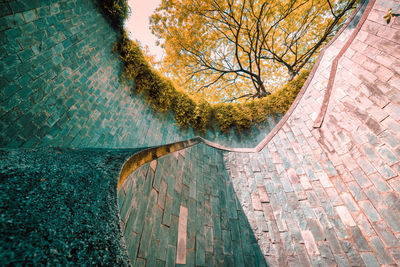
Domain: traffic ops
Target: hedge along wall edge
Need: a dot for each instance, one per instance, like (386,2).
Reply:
(163,96)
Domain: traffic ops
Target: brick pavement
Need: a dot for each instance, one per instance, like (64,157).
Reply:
(330,195)
(215,231)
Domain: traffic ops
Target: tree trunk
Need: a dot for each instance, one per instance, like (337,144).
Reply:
(292,74)
(262,92)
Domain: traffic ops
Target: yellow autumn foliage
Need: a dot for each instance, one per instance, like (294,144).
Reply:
(163,96)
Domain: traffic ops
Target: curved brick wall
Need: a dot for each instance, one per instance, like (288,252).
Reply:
(60,84)
(215,229)
(330,195)
(324,196)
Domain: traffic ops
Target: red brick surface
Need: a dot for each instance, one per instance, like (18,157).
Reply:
(330,195)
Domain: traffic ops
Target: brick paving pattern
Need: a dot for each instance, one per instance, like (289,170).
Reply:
(150,202)
(325,196)
(330,196)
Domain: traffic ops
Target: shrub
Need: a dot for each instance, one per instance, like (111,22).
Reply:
(224,115)
(132,57)
(117,10)
(256,109)
(184,108)
(243,117)
(157,90)
(162,95)
(280,101)
(202,116)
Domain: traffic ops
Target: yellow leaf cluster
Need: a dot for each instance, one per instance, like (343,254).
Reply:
(292,29)
(196,112)
(163,96)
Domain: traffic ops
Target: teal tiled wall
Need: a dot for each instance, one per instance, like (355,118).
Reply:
(218,232)
(60,83)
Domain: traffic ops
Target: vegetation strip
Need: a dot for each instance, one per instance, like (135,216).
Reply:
(163,96)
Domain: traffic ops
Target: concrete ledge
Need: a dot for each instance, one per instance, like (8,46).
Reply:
(150,154)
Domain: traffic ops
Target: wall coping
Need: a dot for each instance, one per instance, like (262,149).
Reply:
(320,118)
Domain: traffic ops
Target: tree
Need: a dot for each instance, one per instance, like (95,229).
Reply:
(234,49)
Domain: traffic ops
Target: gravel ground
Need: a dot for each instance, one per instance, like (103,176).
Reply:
(59,207)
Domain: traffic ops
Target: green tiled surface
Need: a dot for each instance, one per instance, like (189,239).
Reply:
(218,232)
(61,87)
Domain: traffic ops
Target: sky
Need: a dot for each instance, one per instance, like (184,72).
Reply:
(138,24)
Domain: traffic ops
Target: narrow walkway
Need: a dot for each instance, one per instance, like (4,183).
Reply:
(331,195)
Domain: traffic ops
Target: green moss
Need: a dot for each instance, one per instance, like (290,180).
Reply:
(183,108)
(202,117)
